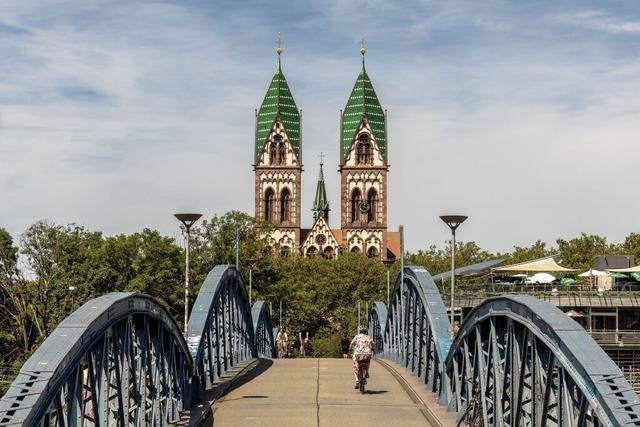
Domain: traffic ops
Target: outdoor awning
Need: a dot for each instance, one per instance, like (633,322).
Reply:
(547,264)
(635,269)
(593,273)
(469,270)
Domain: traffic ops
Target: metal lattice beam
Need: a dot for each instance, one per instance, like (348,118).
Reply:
(120,359)
(415,329)
(518,361)
(263,330)
(220,331)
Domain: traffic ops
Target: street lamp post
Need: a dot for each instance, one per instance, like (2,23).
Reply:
(250,263)
(187,219)
(453,222)
(388,262)
(238,249)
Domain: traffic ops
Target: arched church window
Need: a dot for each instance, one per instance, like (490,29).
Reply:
(356,202)
(355,250)
(285,251)
(329,252)
(372,252)
(269,202)
(372,200)
(273,153)
(364,151)
(285,205)
(312,251)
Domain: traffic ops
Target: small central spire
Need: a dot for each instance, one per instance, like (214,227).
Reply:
(320,202)
(363,49)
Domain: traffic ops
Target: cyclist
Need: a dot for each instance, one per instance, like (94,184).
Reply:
(362,345)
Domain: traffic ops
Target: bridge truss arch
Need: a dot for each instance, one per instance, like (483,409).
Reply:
(220,329)
(415,328)
(519,361)
(376,323)
(263,330)
(120,359)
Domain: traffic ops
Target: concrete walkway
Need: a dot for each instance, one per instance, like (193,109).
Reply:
(318,392)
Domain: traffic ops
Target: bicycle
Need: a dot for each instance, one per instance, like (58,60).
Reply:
(363,367)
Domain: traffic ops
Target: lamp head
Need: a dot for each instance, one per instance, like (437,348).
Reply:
(188,219)
(453,221)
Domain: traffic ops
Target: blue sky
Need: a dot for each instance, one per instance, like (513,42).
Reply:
(523,115)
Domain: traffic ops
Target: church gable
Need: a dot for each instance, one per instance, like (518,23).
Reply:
(278,150)
(364,149)
(320,241)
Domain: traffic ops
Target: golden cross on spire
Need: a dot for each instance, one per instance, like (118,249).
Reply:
(363,46)
(279,44)
(321,155)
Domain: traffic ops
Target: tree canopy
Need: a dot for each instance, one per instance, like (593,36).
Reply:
(54,268)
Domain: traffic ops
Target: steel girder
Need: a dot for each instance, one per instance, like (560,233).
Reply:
(376,324)
(263,330)
(416,331)
(519,361)
(220,330)
(120,359)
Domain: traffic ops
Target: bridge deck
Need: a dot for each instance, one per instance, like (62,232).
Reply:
(318,392)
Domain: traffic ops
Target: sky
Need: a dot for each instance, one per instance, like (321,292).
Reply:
(525,116)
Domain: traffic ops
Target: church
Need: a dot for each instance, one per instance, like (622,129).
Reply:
(363,172)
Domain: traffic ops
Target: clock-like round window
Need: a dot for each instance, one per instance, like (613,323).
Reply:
(321,239)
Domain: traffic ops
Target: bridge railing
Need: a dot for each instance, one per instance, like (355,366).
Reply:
(119,359)
(416,333)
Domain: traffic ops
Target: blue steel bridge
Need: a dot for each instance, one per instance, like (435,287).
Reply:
(121,359)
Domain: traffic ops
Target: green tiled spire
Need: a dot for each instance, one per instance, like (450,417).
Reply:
(278,102)
(363,103)
(320,203)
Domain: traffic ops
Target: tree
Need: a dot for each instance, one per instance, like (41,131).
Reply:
(631,246)
(155,268)
(580,251)
(15,320)
(438,261)
(63,261)
(528,253)
(213,242)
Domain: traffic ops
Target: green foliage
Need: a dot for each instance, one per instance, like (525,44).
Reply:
(67,265)
(439,260)
(320,296)
(523,253)
(213,242)
(580,252)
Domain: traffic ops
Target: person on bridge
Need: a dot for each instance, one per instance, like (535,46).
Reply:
(362,345)
(281,343)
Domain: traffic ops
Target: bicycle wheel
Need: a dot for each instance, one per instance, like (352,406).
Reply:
(363,380)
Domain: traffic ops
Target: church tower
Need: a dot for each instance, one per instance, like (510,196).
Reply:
(278,164)
(363,170)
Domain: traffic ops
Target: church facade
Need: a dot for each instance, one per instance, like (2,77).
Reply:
(363,172)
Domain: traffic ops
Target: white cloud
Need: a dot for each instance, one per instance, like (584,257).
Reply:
(600,21)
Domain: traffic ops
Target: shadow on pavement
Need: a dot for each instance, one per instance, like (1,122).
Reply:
(375,391)
(261,367)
